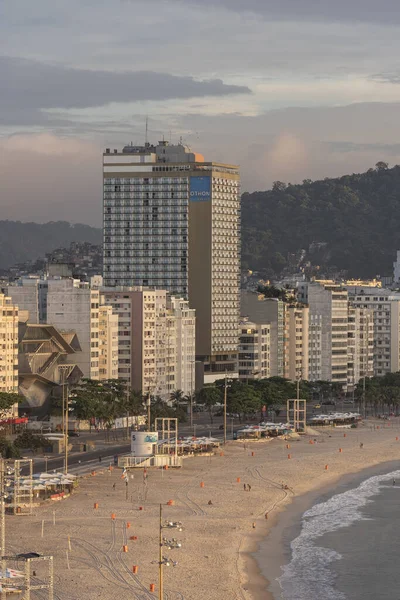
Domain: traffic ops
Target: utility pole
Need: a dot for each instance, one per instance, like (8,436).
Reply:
(160,561)
(225,397)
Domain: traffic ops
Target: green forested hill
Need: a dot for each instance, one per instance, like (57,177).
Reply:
(350,223)
(20,242)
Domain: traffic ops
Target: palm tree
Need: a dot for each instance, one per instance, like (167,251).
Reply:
(176,397)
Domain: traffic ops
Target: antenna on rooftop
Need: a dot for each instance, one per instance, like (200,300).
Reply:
(147,131)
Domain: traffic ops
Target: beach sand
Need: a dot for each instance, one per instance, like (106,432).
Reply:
(220,542)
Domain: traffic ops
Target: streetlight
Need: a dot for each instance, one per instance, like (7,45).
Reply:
(191,362)
(225,398)
(65,403)
(162,560)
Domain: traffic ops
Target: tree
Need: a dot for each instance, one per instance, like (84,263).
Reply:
(346,224)
(209,396)
(243,399)
(29,440)
(103,400)
(176,397)
(382,166)
(8,449)
(7,401)
(135,404)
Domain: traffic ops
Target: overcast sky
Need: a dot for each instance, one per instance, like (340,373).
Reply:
(288,89)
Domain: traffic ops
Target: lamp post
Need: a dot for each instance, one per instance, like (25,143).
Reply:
(148,404)
(64,369)
(191,362)
(160,561)
(225,398)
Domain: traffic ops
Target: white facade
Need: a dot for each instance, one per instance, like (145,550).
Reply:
(385,306)
(156,340)
(330,303)
(254,350)
(360,345)
(296,342)
(315,348)
(181,342)
(73,306)
(108,343)
(8,348)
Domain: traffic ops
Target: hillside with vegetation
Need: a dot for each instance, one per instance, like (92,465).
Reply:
(350,224)
(22,242)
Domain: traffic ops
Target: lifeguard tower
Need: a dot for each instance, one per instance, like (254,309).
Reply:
(158,448)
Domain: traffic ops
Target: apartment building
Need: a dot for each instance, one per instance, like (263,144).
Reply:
(30,294)
(254,350)
(181,346)
(69,305)
(360,345)
(172,222)
(73,306)
(296,342)
(262,310)
(329,302)
(108,343)
(156,340)
(314,347)
(385,307)
(9,348)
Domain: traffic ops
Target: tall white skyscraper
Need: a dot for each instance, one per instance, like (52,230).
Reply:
(172,222)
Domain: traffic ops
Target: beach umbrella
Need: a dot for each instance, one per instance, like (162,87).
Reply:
(11,574)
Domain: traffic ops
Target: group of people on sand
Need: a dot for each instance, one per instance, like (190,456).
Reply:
(247,487)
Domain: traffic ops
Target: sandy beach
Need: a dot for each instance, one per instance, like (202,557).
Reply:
(219,540)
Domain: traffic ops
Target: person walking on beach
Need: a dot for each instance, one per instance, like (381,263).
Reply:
(249,487)
(394,482)
(114,487)
(245,487)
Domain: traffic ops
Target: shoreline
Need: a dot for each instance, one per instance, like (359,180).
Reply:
(270,549)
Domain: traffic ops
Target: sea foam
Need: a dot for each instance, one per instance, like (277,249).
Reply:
(308,574)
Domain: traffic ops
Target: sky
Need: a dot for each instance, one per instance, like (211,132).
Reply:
(287,89)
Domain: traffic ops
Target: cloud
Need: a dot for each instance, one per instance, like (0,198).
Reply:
(386,77)
(61,176)
(34,86)
(46,177)
(385,11)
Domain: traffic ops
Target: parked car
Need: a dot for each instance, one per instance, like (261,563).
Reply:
(73,434)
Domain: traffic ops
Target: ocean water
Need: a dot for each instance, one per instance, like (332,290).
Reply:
(349,546)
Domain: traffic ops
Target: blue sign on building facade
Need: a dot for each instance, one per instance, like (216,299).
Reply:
(200,189)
